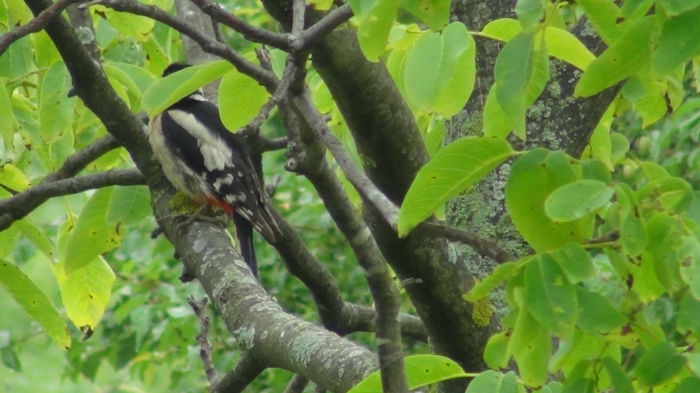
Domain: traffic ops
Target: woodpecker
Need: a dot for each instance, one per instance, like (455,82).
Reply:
(204,160)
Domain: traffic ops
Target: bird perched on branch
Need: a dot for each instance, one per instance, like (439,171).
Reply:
(204,160)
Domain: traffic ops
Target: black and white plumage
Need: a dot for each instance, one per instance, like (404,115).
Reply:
(203,159)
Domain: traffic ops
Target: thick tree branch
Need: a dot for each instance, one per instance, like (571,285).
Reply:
(276,338)
(483,247)
(34,25)
(18,206)
(266,78)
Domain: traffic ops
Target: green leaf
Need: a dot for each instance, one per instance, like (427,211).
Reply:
(675,7)
(550,297)
(567,47)
(530,13)
(421,370)
(501,273)
(9,123)
(496,121)
(440,69)
(128,24)
(688,315)
(531,346)
(177,85)
(91,235)
(128,205)
(503,29)
(13,178)
(604,16)
(494,382)
(623,59)
(619,378)
(597,315)
(55,107)
(633,235)
(496,351)
(85,291)
(34,302)
(435,13)
(374,25)
(575,262)
(578,199)
(688,385)
(659,364)
(37,237)
(512,71)
(453,169)
(533,177)
(240,99)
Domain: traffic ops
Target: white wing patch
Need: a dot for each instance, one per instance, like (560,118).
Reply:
(216,154)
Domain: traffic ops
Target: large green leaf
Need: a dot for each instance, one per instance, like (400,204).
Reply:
(240,99)
(619,378)
(575,262)
(91,235)
(496,350)
(179,84)
(597,314)
(623,59)
(550,297)
(452,170)
(513,70)
(55,107)
(34,302)
(494,382)
(578,199)
(439,70)
(421,370)
(659,364)
(679,41)
(533,177)
(567,47)
(85,291)
(676,7)
(531,346)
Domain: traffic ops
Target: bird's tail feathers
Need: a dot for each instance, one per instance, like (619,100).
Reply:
(244,233)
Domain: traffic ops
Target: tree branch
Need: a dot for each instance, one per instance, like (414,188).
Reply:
(34,25)
(18,206)
(483,247)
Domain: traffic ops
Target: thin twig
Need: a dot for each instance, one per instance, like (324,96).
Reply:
(205,349)
(34,25)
